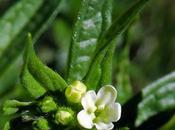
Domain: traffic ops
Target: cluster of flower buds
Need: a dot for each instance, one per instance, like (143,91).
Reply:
(99,110)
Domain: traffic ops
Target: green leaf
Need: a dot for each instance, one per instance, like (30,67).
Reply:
(118,26)
(86,32)
(94,74)
(11,25)
(102,66)
(106,15)
(15,19)
(36,77)
(106,66)
(23,17)
(12,106)
(157,97)
(123,75)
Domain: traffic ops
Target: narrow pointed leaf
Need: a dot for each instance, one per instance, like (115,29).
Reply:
(123,76)
(94,74)
(118,26)
(106,65)
(36,77)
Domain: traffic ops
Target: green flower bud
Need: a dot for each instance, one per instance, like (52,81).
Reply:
(41,124)
(75,91)
(48,104)
(64,116)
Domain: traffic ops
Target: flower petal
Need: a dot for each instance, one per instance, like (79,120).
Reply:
(85,119)
(88,101)
(105,96)
(104,126)
(113,112)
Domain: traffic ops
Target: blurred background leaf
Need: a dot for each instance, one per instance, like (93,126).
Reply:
(157,97)
(13,39)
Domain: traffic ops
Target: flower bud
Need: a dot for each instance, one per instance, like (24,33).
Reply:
(75,91)
(48,104)
(64,116)
(41,124)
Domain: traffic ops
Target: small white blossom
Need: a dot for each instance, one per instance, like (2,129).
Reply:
(100,110)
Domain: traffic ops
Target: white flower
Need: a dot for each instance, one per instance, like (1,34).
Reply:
(100,110)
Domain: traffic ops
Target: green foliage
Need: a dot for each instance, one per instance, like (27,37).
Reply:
(86,32)
(12,106)
(15,19)
(12,74)
(7,126)
(118,26)
(123,72)
(38,78)
(157,97)
(106,67)
(91,54)
(23,17)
